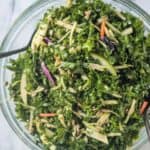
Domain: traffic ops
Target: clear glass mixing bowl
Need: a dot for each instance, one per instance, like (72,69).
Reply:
(19,36)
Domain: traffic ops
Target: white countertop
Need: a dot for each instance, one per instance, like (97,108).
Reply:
(8,139)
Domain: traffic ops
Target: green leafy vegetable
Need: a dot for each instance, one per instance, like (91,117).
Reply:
(83,90)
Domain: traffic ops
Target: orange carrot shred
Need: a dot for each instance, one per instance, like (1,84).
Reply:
(47,115)
(143,107)
(106,31)
(102,31)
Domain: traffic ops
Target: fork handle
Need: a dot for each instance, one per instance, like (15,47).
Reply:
(9,53)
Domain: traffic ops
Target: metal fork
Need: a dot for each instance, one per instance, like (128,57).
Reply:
(12,52)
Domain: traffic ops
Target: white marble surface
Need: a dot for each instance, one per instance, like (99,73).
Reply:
(8,139)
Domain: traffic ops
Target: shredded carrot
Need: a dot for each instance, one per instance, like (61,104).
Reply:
(47,115)
(143,107)
(106,31)
(102,31)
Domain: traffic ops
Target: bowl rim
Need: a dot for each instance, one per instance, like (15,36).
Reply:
(25,137)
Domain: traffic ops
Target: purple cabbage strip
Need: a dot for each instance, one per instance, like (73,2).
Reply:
(47,73)
(109,43)
(47,40)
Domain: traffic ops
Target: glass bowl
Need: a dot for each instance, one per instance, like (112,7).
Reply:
(19,36)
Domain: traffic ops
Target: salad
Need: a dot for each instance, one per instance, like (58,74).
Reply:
(81,82)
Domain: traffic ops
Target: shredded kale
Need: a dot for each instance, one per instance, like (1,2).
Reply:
(81,82)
